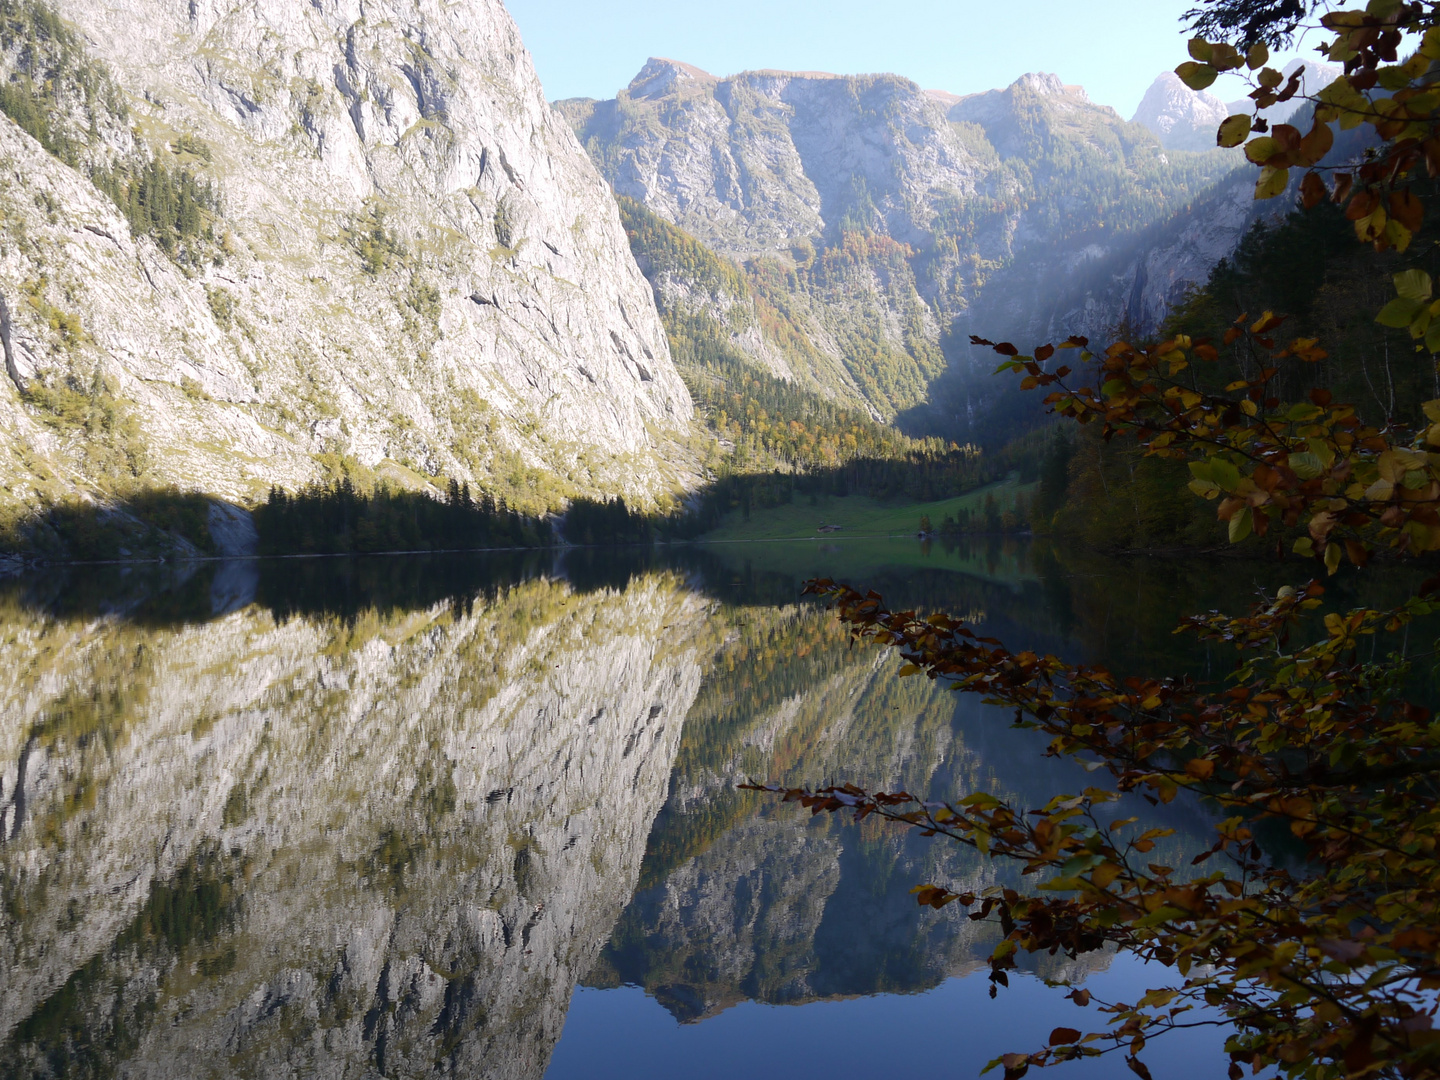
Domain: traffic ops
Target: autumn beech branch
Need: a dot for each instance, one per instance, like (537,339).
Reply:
(1334,964)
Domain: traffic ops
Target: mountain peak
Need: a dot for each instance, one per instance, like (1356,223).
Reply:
(1044,84)
(661,75)
(1181,118)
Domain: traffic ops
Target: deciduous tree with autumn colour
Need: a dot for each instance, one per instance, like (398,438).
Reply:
(1325,968)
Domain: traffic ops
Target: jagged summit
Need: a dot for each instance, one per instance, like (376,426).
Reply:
(1047,85)
(1181,118)
(661,75)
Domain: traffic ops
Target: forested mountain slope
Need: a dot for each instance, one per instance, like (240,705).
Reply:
(877,216)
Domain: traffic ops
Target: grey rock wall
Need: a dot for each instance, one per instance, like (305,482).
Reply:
(508,329)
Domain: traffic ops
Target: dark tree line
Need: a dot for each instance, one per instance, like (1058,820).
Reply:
(341,519)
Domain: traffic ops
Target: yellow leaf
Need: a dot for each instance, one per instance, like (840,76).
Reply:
(1234,130)
(1391,468)
(1380,491)
(1262,149)
(1196,76)
(1273,182)
(1104,875)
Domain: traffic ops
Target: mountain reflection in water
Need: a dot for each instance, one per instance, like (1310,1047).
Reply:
(380,817)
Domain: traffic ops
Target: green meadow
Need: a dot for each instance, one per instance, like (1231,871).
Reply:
(856,515)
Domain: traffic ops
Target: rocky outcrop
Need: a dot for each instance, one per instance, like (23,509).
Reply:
(754,164)
(381,846)
(411,267)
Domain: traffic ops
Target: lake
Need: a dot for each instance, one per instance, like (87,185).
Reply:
(478,816)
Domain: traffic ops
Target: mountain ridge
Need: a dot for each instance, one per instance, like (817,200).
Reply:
(879,214)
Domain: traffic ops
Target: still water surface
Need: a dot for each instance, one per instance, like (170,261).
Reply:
(478,817)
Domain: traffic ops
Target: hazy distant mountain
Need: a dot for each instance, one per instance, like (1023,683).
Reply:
(1317,76)
(1180,118)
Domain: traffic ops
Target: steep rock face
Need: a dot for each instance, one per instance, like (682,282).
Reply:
(777,167)
(387,846)
(752,164)
(1181,118)
(414,265)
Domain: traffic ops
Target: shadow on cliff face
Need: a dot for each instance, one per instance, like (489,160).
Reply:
(144,524)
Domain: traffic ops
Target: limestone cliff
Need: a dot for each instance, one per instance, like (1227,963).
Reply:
(401,260)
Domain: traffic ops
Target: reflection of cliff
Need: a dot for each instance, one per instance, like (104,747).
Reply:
(743,898)
(384,845)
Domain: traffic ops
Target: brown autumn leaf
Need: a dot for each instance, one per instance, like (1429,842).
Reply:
(1313,190)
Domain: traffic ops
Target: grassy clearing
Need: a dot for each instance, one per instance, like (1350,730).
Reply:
(857,515)
(862,561)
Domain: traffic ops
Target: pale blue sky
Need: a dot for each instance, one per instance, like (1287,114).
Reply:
(1114,48)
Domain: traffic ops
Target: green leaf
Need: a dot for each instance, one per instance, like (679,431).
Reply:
(1307,465)
(1257,57)
(1080,863)
(1392,78)
(1200,49)
(1224,474)
(1333,554)
(1305,546)
(1413,285)
(1262,149)
(1399,313)
(1234,130)
(1196,76)
(1241,525)
(1160,915)
(1430,44)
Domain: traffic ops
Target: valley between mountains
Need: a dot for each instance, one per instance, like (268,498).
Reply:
(250,245)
